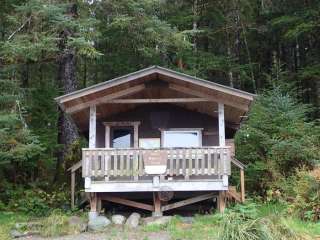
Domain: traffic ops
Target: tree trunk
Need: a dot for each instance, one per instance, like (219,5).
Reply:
(67,132)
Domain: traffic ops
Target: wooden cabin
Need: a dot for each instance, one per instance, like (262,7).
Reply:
(157,132)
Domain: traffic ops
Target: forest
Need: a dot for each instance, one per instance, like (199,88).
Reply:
(53,47)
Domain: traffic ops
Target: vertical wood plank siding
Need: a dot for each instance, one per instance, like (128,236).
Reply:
(180,162)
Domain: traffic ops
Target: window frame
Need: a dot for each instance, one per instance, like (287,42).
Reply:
(134,124)
(197,130)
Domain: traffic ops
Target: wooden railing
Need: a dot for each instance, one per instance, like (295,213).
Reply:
(102,162)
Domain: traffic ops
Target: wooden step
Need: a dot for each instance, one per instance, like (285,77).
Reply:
(233,194)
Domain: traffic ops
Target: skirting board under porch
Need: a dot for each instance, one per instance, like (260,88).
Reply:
(156,186)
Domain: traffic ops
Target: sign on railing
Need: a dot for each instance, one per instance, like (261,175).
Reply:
(155,162)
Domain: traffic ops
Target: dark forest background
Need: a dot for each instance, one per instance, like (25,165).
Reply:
(52,47)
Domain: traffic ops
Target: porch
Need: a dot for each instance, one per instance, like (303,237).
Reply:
(157,131)
(185,169)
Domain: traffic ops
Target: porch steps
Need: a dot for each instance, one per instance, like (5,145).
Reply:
(233,195)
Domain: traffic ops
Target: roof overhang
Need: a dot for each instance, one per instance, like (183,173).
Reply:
(132,90)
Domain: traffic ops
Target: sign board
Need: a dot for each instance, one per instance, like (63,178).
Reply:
(155,161)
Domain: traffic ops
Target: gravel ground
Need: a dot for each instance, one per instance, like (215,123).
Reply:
(113,234)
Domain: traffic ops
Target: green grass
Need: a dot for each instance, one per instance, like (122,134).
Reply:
(309,229)
(202,227)
(7,221)
(207,227)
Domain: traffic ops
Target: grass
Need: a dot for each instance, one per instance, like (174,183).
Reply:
(269,219)
(7,221)
(307,229)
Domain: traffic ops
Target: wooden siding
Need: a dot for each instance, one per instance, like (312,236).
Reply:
(166,116)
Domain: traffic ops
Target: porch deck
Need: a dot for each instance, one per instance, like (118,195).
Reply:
(187,169)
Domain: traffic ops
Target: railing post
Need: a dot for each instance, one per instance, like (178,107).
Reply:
(242,185)
(73,183)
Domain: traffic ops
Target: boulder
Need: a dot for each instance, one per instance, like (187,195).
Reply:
(133,220)
(98,223)
(17,234)
(118,219)
(157,220)
(77,224)
(187,220)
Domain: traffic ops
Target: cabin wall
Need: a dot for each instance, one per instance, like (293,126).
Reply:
(163,116)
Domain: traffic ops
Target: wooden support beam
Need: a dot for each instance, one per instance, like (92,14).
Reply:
(75,167)
(127,202)
(92,126)
(242,189)
(99,203)
(158,100)
(157,205)
(106,98)
(93,202)
(221,201)
(188,201)
(107,136)
(73,183)
(136,135)
(222,138)
(213,98)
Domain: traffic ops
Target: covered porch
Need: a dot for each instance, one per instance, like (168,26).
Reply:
(156,131)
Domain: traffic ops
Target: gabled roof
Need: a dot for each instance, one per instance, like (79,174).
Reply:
(134,84)
(148,71)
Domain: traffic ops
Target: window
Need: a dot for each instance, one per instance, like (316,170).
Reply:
(121,137)
(182,138)
(121,134)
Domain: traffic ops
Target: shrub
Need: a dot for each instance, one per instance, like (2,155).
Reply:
(35,201)
(243,223)
(306,194)
(56,224)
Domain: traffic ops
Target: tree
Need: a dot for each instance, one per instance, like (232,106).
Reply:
(51,32)
(20,149)
(277,139)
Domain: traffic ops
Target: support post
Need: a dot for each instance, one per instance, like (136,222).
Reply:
(107,137)
(221,204)
(222,139)
(92,136)
(136,136)
(92,127)
(92,144)
(242,189)
(73,183)
(93,206)
(157,205)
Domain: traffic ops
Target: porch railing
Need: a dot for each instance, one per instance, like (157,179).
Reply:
(102,162)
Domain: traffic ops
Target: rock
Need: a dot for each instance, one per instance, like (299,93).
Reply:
(98,223)
(188,220)
(133,220)
(17,234)
(77,224)
(157,220)
(21,225)
(118,219)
